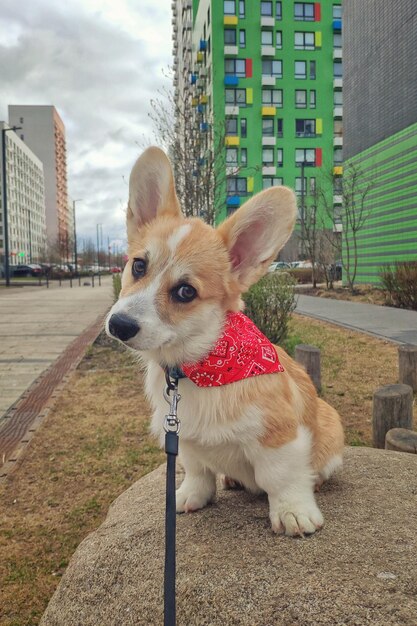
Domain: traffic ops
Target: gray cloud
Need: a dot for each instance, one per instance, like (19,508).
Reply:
(99,63)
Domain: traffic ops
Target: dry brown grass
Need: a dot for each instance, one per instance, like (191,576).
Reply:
(363,293)
(95,443)
(90,448)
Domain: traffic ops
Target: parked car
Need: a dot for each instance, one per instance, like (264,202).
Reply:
(278,265)
(30,269)
(115,270)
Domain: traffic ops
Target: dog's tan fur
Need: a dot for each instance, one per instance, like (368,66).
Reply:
(265,419)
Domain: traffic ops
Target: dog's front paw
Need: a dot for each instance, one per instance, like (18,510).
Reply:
(189,501)
(296,520)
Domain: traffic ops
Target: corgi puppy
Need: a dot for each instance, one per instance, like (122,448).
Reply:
(183,279)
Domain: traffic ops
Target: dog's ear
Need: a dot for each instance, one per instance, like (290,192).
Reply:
(151,189)
(256,232)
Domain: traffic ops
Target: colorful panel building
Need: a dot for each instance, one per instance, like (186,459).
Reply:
(268,75)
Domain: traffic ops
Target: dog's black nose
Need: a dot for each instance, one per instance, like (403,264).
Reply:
(122,326)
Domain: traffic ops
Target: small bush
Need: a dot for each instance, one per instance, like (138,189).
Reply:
(269,304)
(117,285)
(400,285)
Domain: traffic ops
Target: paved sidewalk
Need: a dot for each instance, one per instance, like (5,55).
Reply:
(389,323)
(37,325)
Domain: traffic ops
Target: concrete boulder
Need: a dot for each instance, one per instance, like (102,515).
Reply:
(231,570)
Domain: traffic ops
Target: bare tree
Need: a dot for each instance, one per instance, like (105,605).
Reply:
(196,145)
(353,188)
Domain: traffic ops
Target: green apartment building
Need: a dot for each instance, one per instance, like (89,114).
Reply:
(268,76)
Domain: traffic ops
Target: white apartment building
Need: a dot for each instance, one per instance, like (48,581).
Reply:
(43,131)
(25,201)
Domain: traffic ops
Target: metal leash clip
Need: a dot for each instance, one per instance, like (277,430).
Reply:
(171,423)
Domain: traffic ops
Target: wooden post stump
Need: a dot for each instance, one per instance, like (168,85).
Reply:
(393,408)
(407,365)
(309,358)
(401,440)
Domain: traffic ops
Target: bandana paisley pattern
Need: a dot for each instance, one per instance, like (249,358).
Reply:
(241,351)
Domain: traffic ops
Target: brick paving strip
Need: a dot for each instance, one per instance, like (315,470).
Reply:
(22,420)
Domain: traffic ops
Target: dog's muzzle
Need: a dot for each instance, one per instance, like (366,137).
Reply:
(123,327)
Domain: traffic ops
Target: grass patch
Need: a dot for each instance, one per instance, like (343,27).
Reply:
(95,443)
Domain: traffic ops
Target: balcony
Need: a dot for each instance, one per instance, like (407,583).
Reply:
(337,199)
(230,20)
(233,201)
(337,83)
(188,25)
(268,51)
(269,170)
(268,110)
(230,50)
(337,54)
(231,81)
(338,227)
(338,141)
(338,170)
(269,22)
(268,81)
(231,110)
(232,140)
(337,25)
(269,141)
(338,112)
(203,45)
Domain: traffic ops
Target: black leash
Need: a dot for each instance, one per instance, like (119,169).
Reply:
(172,428)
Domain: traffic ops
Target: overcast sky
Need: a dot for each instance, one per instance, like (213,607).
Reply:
(99,62)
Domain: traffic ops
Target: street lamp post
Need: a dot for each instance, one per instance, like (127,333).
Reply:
(75,235)
(302,210)
(5,216)
(30,237)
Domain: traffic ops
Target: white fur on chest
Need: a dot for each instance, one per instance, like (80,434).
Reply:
(222,444)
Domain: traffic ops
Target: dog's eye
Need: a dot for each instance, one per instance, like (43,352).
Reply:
(184,293)
(139,268)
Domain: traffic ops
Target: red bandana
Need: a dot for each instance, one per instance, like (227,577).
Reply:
(240,352)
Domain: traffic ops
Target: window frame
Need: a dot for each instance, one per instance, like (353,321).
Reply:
(304,46)
(263,5)
(236,101)
(305,121)
(307,163)
(304,17)
(229,31)
(274,63)
(297,105)
(229,2)
(299,76)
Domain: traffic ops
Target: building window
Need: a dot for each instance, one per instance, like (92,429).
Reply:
(267,156)
(304,11)
(312,98)
(236,186)
(271,181)
(21,120)
(278,10)
(244,156)
(266,8)
(337,11)
(242,13)
(280,128)
(337,40)
(242,38)
(235,96)
(266,37)
(338,128)
(338,185)
(230,36)
(272,97)
(243,127)
(312,70)
(304,41)
(306,156)
(231,156)
(338,98)
(278,39)
(337,70)
(338,155)
(229,7)
(280,157)
(299,186)
(300,69)
(300,99)
(209,45)
(208,16)
(272,68)
(268,127)
(305,128)
(235,67)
